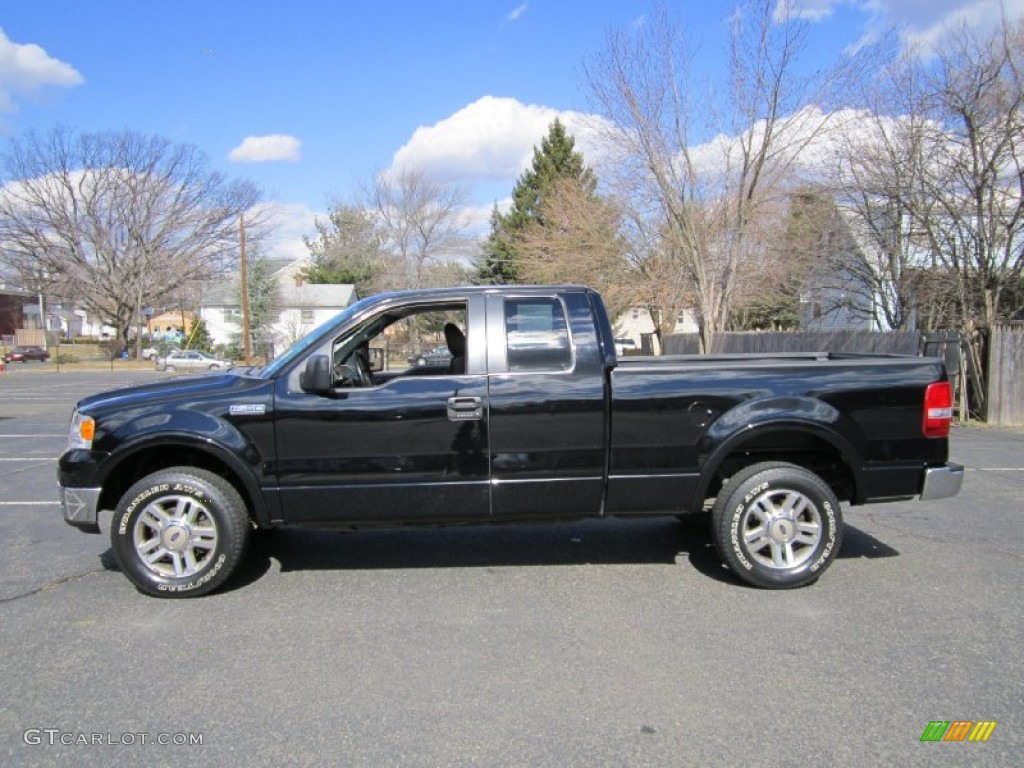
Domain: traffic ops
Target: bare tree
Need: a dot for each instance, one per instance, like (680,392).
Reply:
(116,220)
(700,211)
(420,223)
(970,201)
(575,239)
(932,182)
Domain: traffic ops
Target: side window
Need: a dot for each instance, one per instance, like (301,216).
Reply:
(405,341)
(536,335)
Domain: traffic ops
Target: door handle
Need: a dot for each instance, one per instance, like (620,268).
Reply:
(465,409)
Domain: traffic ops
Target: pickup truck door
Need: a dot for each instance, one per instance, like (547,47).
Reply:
(547,394)
(411,449)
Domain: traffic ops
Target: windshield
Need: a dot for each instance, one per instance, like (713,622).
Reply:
(310,339)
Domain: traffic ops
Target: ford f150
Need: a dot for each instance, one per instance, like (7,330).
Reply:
(533,418)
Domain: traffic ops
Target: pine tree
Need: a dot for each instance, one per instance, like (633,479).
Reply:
(347,249)
(496,265)
(556,159)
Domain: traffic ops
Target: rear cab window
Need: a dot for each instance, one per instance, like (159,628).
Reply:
(536,335)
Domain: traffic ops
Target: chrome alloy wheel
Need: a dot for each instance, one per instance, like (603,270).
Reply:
(781,528)
(175,536)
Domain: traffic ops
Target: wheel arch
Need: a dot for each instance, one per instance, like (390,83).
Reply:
(808,444)
(135,462)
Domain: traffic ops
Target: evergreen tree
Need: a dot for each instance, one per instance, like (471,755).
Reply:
(496,265)
(347,249)
(262,305)
(199,337)
(556,159)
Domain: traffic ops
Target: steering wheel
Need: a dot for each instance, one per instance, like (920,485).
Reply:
(354,372)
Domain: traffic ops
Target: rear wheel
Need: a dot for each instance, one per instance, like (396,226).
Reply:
(180,532)
(777,525)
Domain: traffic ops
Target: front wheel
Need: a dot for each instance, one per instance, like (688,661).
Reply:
(777,525)
(180,532)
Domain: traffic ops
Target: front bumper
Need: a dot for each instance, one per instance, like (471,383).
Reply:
(942,482)
(80,508)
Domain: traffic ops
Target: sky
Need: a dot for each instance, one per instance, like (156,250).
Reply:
(310,99)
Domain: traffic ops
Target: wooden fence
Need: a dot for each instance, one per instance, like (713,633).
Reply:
(1006,377)
(766,342)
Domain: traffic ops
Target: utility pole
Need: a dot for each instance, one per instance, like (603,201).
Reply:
(41,276)
(245,295)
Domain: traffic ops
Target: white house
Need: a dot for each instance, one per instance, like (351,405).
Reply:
(299,306)
(67,323)
(636,323)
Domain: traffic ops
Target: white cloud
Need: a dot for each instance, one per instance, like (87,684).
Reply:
(811,10)
(26,68)
(289,222)
(264,149)
(925,26)
(492,139)
(921,23)
(517,12)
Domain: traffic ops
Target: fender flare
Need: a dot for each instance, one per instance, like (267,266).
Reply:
(735,440)
(163,440)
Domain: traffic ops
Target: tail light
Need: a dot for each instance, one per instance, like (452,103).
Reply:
(938,409)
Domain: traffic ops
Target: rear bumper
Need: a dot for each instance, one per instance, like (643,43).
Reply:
(942,482)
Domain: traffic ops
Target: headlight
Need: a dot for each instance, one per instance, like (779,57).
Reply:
(81,432)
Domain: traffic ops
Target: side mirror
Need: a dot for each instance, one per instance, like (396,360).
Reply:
(317,376)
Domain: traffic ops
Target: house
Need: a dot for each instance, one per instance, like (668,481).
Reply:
(171,325)
(298,306)
(838,293)
(851,284)
(12,301)
(637,324)
(20,321)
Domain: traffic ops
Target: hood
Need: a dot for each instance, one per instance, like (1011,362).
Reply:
(204,386)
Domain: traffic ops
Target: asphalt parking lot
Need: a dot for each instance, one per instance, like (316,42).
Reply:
(591,644)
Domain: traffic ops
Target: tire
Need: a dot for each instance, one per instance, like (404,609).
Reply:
(169,368)
(777,525)
(180,532)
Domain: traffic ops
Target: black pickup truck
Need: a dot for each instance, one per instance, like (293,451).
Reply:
(532,418)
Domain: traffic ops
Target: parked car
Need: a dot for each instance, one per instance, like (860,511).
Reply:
(150,353)
(22,354)
(191,360)
(773,443)
(436,356)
